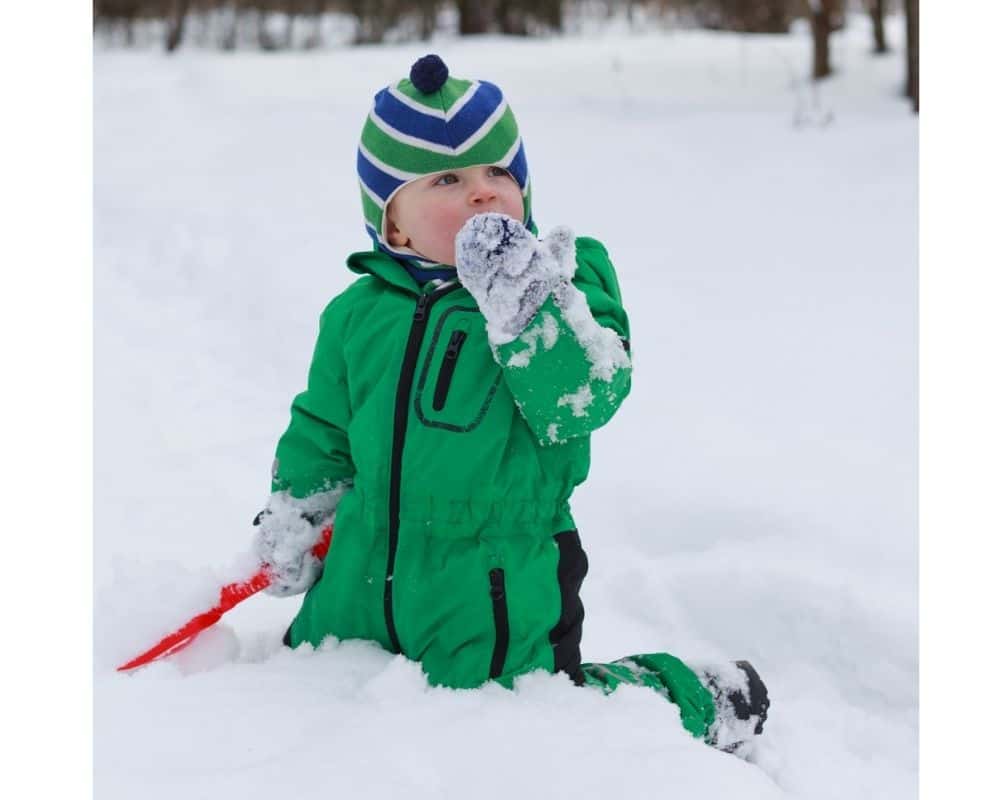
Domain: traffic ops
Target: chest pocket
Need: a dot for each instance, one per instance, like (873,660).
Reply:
(458,379)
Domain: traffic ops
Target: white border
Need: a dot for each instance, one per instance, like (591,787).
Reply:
(959,399)
(46,161)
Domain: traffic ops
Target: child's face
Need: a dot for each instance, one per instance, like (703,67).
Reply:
(427,214)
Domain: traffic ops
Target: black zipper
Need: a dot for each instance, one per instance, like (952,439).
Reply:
(499,595)
(448,368)
(403,390)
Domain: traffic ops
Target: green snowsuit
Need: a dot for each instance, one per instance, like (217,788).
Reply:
(454,543)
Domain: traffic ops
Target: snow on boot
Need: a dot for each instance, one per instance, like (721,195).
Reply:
(741,704)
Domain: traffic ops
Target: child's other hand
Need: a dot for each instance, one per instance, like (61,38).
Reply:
(508,271)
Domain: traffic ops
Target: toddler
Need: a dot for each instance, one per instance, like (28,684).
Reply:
(447,419)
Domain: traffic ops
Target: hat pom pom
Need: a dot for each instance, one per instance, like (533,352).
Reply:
(429,73)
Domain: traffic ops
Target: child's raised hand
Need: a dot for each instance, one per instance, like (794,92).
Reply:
(508,271)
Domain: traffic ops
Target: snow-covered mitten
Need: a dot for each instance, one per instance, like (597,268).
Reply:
(509,272)
(287,530)
(741,704)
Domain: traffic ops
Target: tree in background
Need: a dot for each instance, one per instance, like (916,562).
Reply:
(112,15)
(825,16)
(511,17)
(772,16)
(428,17)
(522,17)
(474,17)
(744,16)
(374,18)
(876,8)
(175,24)
(273,24)
(550,13)
(514,17)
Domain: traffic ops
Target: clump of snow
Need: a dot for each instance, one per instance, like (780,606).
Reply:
(212,648)
(545,330)
(241,567)
(578,400)
(603,347)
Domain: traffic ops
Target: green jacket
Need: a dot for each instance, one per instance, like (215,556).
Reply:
(454,543)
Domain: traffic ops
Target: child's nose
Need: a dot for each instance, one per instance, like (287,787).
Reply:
(482,192)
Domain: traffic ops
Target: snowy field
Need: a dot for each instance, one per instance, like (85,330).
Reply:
(754,498)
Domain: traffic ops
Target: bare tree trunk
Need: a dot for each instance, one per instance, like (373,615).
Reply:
(474,17)
(175,26)
(553,14)
(838,18)
(820,19)
(877,10)
(511,18)
(913,53)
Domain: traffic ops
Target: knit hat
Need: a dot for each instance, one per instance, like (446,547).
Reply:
(431,123)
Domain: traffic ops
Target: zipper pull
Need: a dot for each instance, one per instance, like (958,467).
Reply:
(496,584)
(454,344)
(422,302)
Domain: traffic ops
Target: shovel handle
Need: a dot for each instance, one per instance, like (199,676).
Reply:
(230,595)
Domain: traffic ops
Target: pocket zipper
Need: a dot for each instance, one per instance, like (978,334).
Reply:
(447,369)
(499,595)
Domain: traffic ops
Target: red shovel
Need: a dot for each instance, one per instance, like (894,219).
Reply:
(229,596)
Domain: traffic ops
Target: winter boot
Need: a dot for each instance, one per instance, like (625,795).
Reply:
(741,704)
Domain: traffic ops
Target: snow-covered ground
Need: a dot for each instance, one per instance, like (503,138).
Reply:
(754,498)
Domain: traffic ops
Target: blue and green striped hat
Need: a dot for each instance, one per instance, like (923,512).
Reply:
(429,123)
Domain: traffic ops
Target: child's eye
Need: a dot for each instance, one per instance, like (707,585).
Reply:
(499,172)
(447,178)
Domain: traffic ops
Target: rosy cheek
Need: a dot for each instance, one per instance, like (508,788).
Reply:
(458,219)
(450,222)
(515,208)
